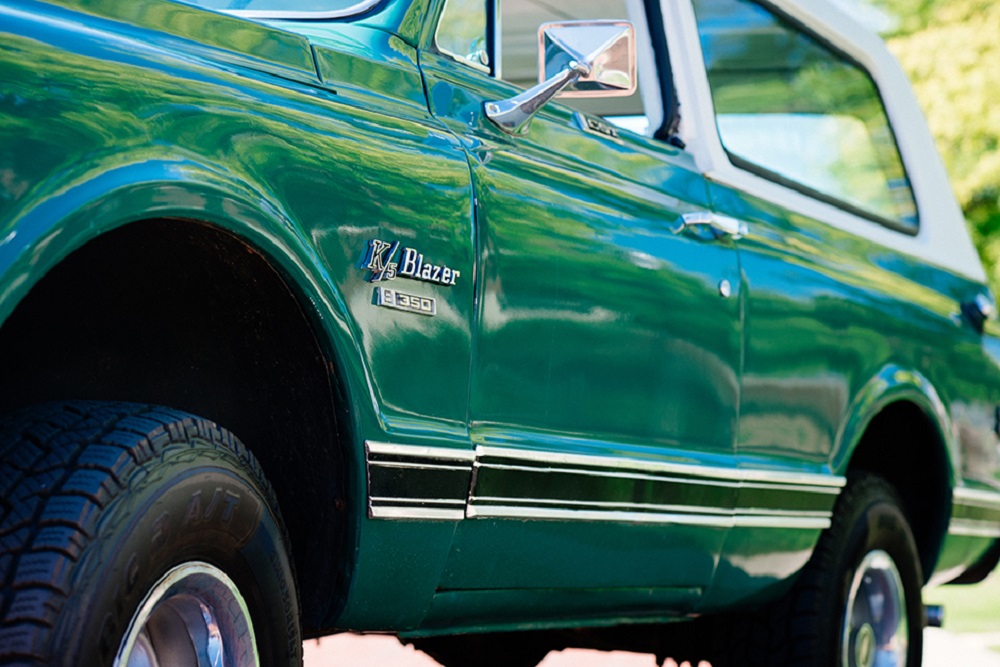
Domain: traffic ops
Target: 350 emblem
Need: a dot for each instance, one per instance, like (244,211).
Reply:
(380,259)
(390,298)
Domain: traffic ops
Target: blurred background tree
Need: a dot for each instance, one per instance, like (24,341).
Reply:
(951,51)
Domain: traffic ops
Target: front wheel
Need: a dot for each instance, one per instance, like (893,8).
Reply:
(134,536)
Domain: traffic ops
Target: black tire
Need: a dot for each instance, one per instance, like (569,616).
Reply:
(101,502)
(806,628)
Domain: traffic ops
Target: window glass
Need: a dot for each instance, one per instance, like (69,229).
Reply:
(796,110)
(462,31)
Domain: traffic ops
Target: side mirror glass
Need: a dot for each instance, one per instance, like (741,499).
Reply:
(607,48)
(576,59)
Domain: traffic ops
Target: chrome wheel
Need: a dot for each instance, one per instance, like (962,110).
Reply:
(875,632)
(195,617)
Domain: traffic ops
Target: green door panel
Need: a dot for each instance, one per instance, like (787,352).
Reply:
(601,339)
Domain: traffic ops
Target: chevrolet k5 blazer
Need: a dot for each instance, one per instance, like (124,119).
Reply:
(642,324)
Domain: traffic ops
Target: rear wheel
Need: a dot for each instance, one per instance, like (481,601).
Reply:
(856,603)
(136,535)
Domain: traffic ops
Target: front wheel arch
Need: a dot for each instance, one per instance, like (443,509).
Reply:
(183,313)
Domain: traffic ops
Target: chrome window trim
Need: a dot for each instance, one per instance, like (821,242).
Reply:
(462,60)
(941,240)
(353,10)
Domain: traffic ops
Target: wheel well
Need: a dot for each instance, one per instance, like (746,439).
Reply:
(185,315)
(902,445)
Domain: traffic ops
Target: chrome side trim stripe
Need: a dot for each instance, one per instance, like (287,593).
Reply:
(977,498)
(417,466)
(975,513)
(612,475)
(481,502)
(808,480)
(442,453)
(799,488)
(967,528)
(425,501)
(440,483)
(683,519)
(416,513)
(417,482)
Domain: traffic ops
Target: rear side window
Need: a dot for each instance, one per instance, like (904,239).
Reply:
(794,109)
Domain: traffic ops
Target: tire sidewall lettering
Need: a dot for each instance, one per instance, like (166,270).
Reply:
(183,507)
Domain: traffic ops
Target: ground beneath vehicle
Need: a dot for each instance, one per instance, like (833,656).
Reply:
(328,318)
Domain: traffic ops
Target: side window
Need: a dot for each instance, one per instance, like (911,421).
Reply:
(794,109)
(463,30)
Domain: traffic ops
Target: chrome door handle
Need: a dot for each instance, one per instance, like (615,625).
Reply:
(721,225)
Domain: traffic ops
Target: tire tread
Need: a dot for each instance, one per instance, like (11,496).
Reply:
(62,463)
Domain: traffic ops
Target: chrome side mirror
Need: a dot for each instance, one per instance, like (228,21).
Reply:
(576,59)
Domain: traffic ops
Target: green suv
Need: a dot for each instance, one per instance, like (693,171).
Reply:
(629,324)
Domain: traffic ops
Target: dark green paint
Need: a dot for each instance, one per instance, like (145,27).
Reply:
(581,324)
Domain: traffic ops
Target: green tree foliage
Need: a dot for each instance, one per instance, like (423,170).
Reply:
(951,51)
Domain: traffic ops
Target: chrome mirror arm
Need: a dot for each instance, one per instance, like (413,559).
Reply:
(513,115)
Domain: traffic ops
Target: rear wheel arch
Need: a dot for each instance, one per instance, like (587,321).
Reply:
(903,442)
(186,314)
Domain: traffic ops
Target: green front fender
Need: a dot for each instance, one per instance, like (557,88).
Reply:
(57,223)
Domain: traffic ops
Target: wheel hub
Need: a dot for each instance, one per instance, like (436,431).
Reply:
(875,631)
(864,646)
(194,616)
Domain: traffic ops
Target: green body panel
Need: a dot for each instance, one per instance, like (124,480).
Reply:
(600,332)
(621,442)
(838,328)
(308,172)
(515,609)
